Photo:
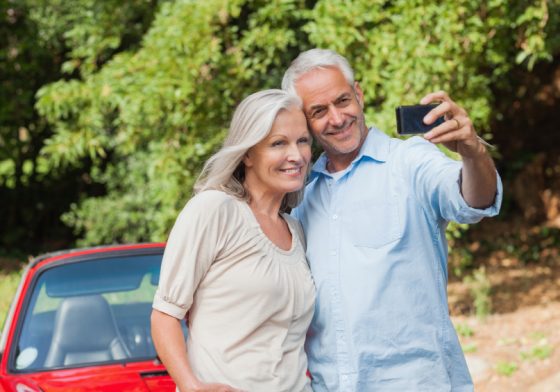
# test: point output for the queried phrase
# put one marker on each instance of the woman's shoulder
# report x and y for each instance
(210, 202)
(211, 196)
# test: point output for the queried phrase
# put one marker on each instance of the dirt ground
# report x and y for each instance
(517, 347)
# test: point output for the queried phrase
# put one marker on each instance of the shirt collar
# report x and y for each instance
(376, 147)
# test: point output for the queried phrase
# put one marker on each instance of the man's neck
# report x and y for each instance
(339, 163)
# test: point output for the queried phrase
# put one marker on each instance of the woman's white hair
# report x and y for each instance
(251, 123)
(315, 58)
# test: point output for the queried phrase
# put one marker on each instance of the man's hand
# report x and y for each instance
(457, 133)
(479, 178)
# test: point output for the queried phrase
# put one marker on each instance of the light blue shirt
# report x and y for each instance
(378, 253)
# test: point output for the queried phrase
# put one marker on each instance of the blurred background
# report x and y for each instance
(108, 109)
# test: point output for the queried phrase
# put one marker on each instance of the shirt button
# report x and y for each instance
(335, 217)
(332, 252)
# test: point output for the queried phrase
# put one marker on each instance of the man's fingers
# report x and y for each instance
(437, 112)
(435, 96)
(442, 129)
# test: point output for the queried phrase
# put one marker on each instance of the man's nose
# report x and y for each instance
(335, 117)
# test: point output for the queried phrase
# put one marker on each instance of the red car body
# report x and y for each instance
(44, 347)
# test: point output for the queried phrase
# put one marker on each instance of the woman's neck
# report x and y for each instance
(264, 203)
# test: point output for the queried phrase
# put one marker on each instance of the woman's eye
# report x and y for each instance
(304, 140)
(277, 143)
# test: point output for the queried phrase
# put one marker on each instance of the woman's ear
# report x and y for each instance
(247, 159)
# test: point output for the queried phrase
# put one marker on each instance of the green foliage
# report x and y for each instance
(469, 348)
(506, 368)
(150, 86)
(460, 258)
(10, 281)
(480, 288)
(149, 118)
(464, 330)
(540, 350)
(25, 181)
(402, 49)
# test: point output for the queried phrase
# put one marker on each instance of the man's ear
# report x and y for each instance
(359, 94)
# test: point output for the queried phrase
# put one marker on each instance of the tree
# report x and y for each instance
(148, 115)
(33, 53)
(24, 66)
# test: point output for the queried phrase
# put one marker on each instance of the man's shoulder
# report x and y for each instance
(412, 149)
(411, 143)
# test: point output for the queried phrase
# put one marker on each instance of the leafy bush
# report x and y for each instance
(148, 108)
(480, 288)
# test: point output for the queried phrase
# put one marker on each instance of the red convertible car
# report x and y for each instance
(80, 321)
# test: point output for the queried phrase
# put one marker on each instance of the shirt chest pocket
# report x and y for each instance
(373, 224)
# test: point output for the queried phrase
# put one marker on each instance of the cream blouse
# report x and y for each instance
(250, 302)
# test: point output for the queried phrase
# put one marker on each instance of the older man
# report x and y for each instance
(374, 214)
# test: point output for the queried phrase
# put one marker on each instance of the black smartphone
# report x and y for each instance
(410, 119)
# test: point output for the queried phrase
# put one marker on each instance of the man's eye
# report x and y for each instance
(343, 102)
(318, 113)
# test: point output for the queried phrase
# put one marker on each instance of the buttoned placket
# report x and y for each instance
(336, 200)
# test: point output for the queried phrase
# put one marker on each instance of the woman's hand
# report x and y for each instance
(214, 387)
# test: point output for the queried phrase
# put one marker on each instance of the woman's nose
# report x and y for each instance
(294, 153)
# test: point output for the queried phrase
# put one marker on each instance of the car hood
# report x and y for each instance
(138, 377)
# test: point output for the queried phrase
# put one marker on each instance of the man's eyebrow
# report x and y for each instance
(316, 106)
(321, 106)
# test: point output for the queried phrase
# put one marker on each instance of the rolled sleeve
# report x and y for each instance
(468, 214)
(437, 184)
(163, 304)
(194, 242)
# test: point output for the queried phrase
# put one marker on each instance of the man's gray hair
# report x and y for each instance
(315, 58)
(251, 123)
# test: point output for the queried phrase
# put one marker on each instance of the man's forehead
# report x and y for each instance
(322, 86)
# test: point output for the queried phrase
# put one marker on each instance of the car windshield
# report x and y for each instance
(90, 312)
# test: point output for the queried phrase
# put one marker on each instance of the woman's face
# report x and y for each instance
(278, 164)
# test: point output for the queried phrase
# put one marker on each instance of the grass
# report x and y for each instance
(11, 268)
(8, 285)
(464, 330)
(540, 350)
(480, 287)
(469, 348)
(506, 368)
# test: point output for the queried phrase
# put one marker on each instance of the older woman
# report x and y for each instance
(235, 261)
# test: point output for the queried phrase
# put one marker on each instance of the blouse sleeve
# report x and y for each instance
(195, 241)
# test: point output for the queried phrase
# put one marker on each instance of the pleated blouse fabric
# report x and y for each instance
(249, 301)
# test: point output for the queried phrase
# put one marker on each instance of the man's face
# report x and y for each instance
(334, 112)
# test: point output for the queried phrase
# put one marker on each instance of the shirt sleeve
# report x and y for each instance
(436, 180)
(195, 241)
